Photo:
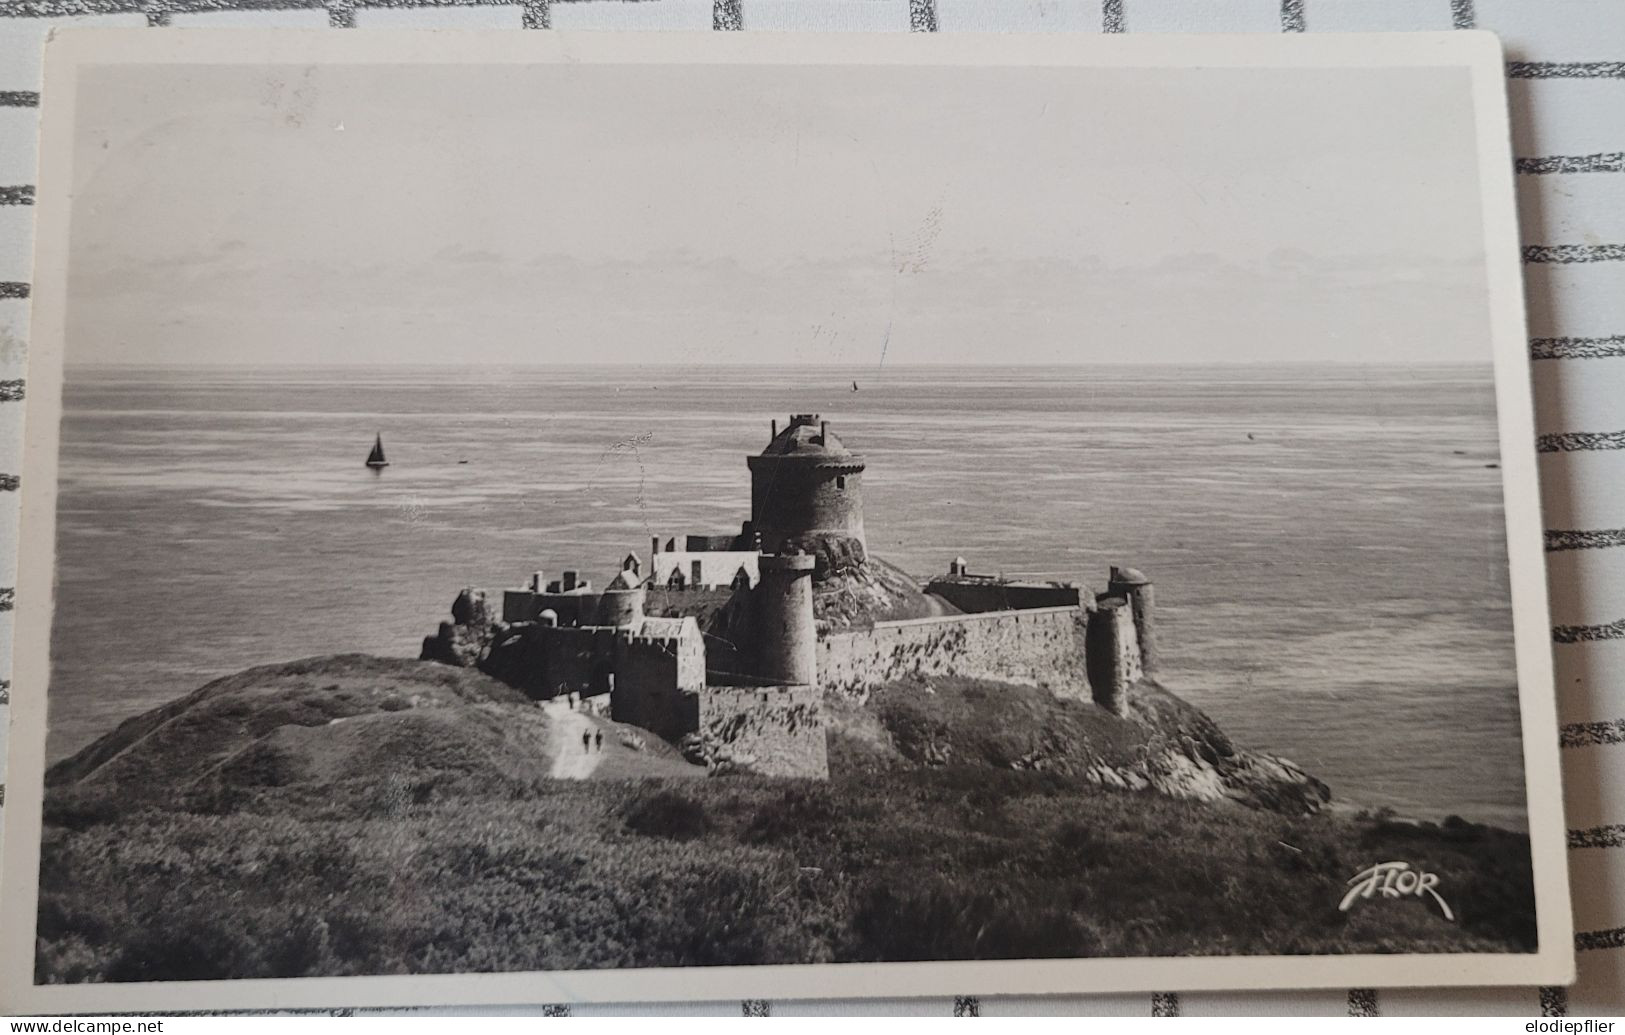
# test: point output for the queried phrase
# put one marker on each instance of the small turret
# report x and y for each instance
(1133, 586)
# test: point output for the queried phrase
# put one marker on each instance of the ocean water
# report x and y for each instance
(1326, 541)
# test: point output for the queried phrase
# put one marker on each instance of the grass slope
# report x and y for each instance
(420, 839)
(370, 729)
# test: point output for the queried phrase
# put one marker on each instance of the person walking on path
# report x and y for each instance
(563, 726)
(598, 740)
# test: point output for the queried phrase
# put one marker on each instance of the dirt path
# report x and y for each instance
(565, 729)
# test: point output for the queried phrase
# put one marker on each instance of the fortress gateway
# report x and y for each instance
(727, 644)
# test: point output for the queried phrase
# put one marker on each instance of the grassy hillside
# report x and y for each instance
(418, 833)
(348, 726)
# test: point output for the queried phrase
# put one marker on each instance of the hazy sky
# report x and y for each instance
(594, 213)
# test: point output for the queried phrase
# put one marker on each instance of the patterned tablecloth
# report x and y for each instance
(1566, 66)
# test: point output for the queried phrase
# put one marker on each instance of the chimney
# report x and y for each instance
(537, 581)
(823, 432)
(569, 581)
(775, 433)
(654, 544)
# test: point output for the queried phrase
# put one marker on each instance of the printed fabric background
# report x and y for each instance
(1566, 72)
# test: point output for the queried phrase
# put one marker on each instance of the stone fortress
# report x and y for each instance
(726, 645)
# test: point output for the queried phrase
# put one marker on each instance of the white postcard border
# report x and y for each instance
(1478, 53)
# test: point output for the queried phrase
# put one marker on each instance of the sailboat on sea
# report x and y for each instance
(375, 459)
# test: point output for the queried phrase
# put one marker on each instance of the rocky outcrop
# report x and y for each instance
(1195, 759)
(1161, 744)
(832, 554)
(465, 639)
(855, 596)
(1257, 781)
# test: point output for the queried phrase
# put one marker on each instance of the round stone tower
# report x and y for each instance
(1132, 585)
(619, 606)
(805, 485)
(786, 637)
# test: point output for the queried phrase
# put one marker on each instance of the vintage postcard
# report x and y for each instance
(531, 517)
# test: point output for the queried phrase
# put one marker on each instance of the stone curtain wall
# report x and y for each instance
(656, 679)
(769, 731)
(1042, 647)
(646, 691)
(545, 661)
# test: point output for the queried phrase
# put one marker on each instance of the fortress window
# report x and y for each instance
(697, 571)
(840, 481)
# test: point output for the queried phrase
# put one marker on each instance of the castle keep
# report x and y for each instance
(804, 487)
(727, 644)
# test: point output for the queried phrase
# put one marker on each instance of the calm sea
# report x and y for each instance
(1326, 541)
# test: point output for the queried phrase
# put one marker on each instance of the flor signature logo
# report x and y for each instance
(1394, 880)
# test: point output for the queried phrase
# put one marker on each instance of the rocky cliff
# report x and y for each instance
(1163, 744)
(860, 595)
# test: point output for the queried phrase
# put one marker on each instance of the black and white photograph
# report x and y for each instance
(599, 504)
